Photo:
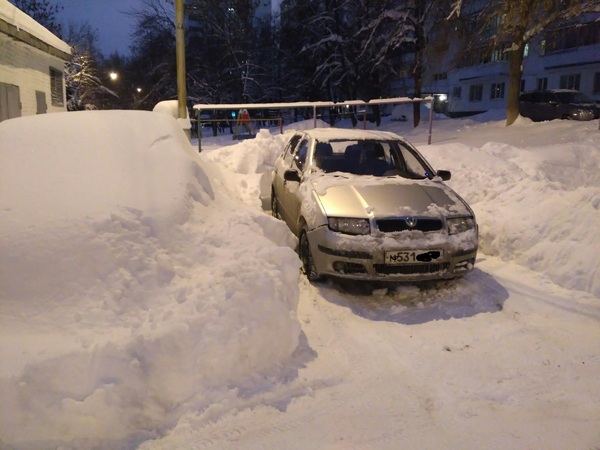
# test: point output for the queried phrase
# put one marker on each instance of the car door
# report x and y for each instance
(550, 106)
(290, 201)
(526, 105)
(541, 109)
(283, 163)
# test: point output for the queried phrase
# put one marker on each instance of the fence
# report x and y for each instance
(311, 106)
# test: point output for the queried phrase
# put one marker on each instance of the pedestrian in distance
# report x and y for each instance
(243, 122)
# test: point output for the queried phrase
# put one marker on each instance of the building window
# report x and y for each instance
(475, 93)
(440, 76)
(56, 87)
(597, 83)
(570, 81)
(484, 55)
(542, 83)
(500, 53)
(456, 92)
(497, 91)
(522, 86)
(573, 36)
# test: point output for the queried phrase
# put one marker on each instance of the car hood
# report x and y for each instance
(389, 199)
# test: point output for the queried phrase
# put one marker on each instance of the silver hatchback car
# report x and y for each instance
(367, 205)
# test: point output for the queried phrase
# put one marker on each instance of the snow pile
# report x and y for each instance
(247, 162)
(133, 285)
(307, 124)
(171, 108)
(538, 203)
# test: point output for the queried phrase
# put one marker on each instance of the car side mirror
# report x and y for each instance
(445, 175)
(291, 175)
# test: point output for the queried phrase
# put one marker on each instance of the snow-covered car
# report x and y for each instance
(367, 205)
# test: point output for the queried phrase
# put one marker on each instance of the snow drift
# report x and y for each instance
(132, 283)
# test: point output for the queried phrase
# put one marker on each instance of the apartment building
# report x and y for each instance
(563, 57)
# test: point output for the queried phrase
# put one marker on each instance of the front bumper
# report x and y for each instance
(363, 257)
(583, 114)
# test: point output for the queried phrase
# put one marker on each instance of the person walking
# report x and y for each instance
(244, 121)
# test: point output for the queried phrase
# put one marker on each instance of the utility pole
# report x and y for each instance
(180, 50)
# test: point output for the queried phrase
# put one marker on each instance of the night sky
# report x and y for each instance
(108, 17)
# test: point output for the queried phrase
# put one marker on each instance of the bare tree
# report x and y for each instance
(152, 61)
(226, 60)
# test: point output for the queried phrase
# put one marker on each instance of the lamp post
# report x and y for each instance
(180, 50)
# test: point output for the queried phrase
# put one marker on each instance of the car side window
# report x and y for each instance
(300, 156)
(290, 148)
(411, 165)
(548, 97)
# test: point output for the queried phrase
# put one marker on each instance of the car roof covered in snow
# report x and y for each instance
(335, 134)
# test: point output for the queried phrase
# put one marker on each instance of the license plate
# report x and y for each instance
(412, 256)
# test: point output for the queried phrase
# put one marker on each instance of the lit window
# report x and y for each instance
(497, 91)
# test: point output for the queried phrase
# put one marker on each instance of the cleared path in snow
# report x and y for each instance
(501, 359)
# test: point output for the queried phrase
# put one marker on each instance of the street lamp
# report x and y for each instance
(113, 75)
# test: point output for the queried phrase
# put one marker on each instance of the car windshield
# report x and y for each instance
(370, 157)
(573, 97)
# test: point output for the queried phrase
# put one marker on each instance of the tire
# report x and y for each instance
(308, 265)
(274, 209)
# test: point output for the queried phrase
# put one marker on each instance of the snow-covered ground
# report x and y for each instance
(148, 302)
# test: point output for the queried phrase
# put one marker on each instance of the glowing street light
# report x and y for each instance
(113, 75)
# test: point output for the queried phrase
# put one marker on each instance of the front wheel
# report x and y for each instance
(308, 264)
(274, 209)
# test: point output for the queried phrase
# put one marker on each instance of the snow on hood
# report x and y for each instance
(386, 197)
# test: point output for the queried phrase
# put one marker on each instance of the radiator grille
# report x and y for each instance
(395, 225)
(410, 269)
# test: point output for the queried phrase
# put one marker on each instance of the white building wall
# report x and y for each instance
(29, 68)
(583, 61)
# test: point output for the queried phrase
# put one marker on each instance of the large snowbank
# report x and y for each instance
(133, 285)
(536, 194)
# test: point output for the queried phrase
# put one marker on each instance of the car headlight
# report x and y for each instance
(349, 226)
(460, 224)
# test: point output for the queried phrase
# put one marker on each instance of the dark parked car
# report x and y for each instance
(558, 104)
